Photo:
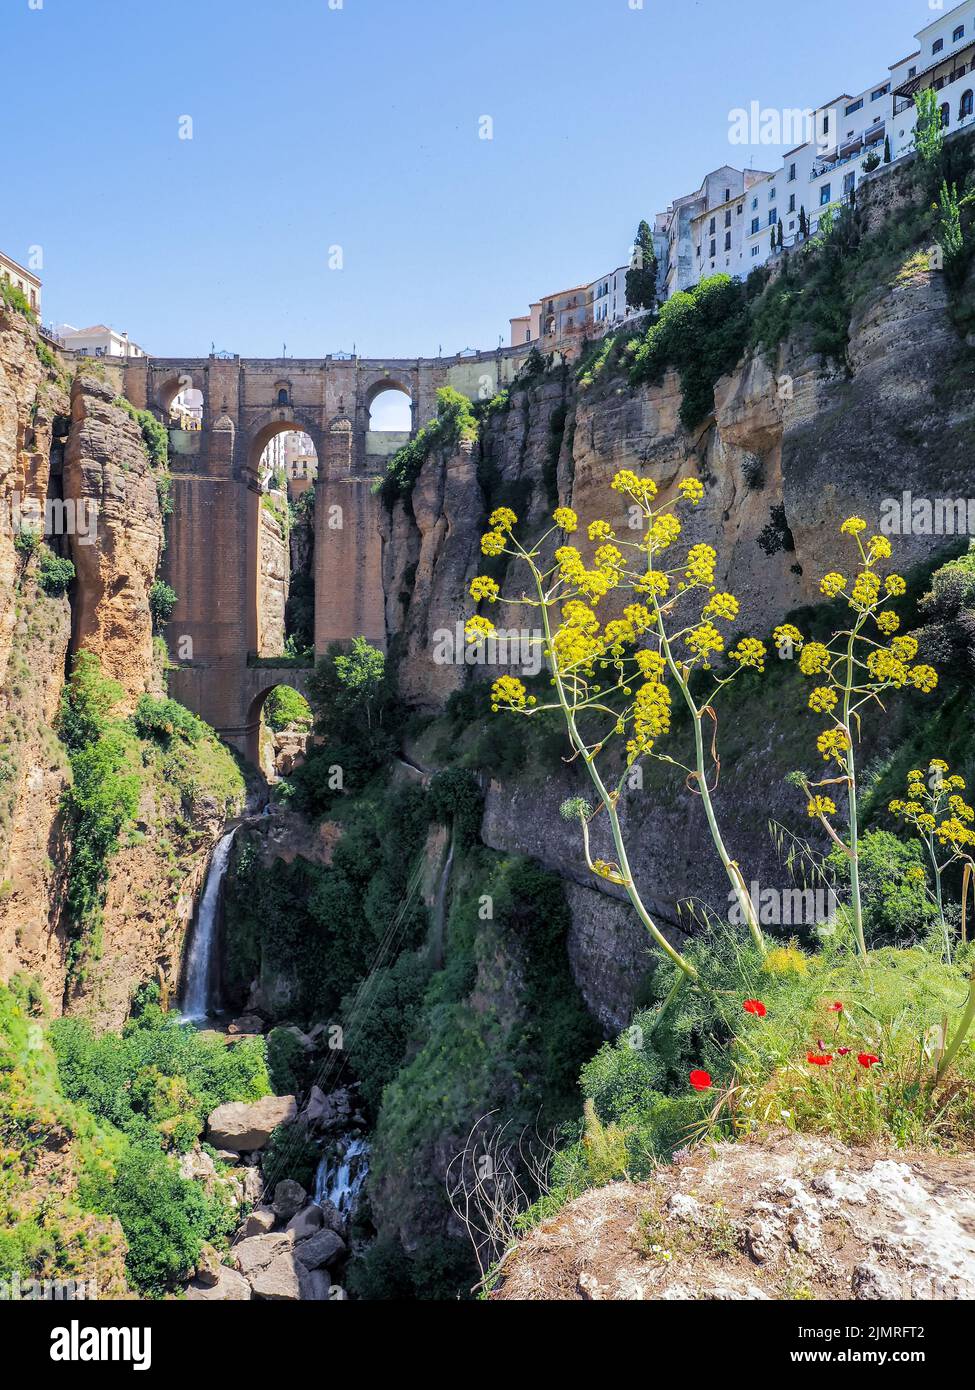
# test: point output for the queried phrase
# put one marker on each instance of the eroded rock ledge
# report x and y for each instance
(794, 1217)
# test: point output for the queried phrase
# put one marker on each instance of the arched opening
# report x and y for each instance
(170, 391)
(284, 477)
(391, 409)
(186, 410)
(967, 105)
(945, 115)
(390, 425)
(285, 728)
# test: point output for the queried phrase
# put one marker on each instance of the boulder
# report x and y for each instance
(289, 1198)
(332, 1218)
(227, 1156)
(260, 1221)
(319, 1250)
(306, 1223)
(278, 1281)
(245, 1128)
(198, 1165)
(230, 1287)
(208, 1267)
(329, 1111)
(257, 1252)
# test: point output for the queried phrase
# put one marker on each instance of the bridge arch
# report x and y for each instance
(263, 731)
(169, 387)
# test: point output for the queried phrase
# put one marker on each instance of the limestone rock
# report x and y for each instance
(306, 1222)
(289, 1198)
(208, 1267)
(260, 1222)
(320, 1250)
(230, 1287)
(247, 1127)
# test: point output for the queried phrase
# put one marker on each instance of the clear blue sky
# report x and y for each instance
(359, 127)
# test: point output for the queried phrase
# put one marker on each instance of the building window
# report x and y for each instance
(912, 72)
(825, 122)
(825, 195)
(945, 116)
(958, 34)
(754, 204)
(772, 218)
(727, 241)
(792, 173)
(727, 195)
(727, 218)
(714, 249)
(967, 104)
(854, 106)
(283, 396)
(740, 209)
(755, 225)
(712, 226)
(880, 92)
(754, 250)
(771, 196)
(937, 46)
(849, 182)
(792, 202)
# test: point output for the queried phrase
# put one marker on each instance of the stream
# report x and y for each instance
(340, 1181)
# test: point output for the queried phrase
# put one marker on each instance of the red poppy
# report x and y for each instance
(756, 1007)
(700, 1080)
(843, 1051)
(867, 1059)
(836, 1008)
(818, 1059)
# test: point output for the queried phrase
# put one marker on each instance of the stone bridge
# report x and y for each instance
(213, 553)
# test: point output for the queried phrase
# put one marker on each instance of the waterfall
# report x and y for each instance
(197, 990)
(340, 1181)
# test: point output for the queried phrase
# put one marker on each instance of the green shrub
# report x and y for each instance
(162, 601)
(456, 799)
(291, 1153)
(56, 573)
(165, 719)
(285, 708)
(455, 422)
(14, 298)
(897, 907)
(288, 1063)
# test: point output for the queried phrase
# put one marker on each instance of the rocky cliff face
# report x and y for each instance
(159, 869)
(106, 469)
(792, 446)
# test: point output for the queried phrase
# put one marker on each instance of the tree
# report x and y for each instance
(929, 134)
(781, 236)
(803, 223)
(163, 598)
(887, 149)
(641, 278)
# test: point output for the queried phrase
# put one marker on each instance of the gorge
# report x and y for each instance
(409, 945)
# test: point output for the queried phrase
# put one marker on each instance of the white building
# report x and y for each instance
(608, 306)
(98, 341)
(24, 280)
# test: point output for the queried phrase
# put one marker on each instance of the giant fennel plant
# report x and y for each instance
(613, 678)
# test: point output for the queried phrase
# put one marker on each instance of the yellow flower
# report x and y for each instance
(664, 530)
(880, 548)
(691, 490)
(788, 635)
(570, 564)
(609, 559)
(651, 664)
(822, 806)
(815, 659)
(853, 525)
(722, 606)
(502, 519)
(475, 628)
(601, 531)
(700, 564)
(822, 700)
(888, 622)
(703, 639)
(886, 668)
(832, 584)
(484, 588)
(833, 743)
(904, 648)
(566, 519)
(492, 543)
(923, 678)
(653, 582)
(643, 489)
(509, 691)
(750, 652)
(895, 585)
(866, 589)
(937, 763)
